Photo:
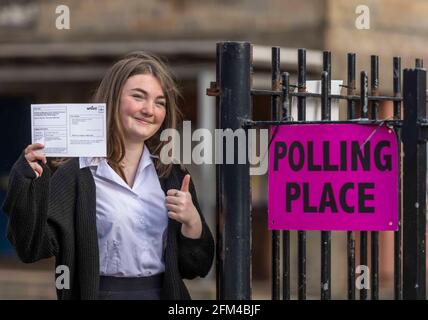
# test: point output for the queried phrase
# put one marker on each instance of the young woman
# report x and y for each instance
(127, 226)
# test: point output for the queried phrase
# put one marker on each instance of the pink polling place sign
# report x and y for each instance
(333, 177)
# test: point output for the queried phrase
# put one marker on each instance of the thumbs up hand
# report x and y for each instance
(181, 208)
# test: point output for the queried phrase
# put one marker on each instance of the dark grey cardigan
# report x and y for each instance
(54, 215)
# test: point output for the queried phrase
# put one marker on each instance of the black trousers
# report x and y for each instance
(142, 288)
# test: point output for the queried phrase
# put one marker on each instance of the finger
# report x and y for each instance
(173, 207)
(172, 192)
(173, 215)
(37, 169)
(42, 157)
(32, 165)
(34, 146)
(32, 156)
(173, 200)
(185, 183)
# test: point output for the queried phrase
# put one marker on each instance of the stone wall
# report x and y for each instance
(275, 22)
(397, 28)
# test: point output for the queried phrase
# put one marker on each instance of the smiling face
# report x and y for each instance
(142, 107)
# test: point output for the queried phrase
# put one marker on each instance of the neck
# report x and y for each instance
(133, 152)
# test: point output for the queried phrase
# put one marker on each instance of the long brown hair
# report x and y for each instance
(109, 92)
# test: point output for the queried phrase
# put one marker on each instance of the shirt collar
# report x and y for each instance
(145, 160)
(89, 161)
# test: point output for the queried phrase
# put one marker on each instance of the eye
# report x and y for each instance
(161, 103)
(138, 96)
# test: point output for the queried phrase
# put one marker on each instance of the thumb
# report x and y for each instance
(185, 183)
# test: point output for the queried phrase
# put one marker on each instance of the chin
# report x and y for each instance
(140, 137)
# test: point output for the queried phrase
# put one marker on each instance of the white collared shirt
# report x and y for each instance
(131, 222)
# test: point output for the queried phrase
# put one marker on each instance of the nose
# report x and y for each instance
(148, 108)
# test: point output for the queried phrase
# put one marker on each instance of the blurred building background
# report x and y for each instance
(42, 64)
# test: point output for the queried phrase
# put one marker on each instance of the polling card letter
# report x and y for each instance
(70, 130)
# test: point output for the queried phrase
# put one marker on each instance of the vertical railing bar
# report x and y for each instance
(350, 234)
(235, 188)
(398, 291)
(286, 233)
(276, 114)
(301, 109)
(301, 83)
(363, 259)
(327, 67)
(351, 84)
(324, 96)
(414, 185)
(363, 234)
(374, 265)
(374, 278)
(374, 84)
(364, 95)
(219, 231)
(286, 95)
(326, 235)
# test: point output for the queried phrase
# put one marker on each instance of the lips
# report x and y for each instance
(142, 121)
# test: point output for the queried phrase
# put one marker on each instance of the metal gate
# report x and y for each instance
(234, 100)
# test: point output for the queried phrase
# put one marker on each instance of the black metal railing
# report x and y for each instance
(233, 88)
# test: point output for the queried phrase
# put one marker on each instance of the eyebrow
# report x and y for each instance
(146, 93)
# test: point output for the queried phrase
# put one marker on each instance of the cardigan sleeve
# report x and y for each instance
(195, 256)
(27, 204)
